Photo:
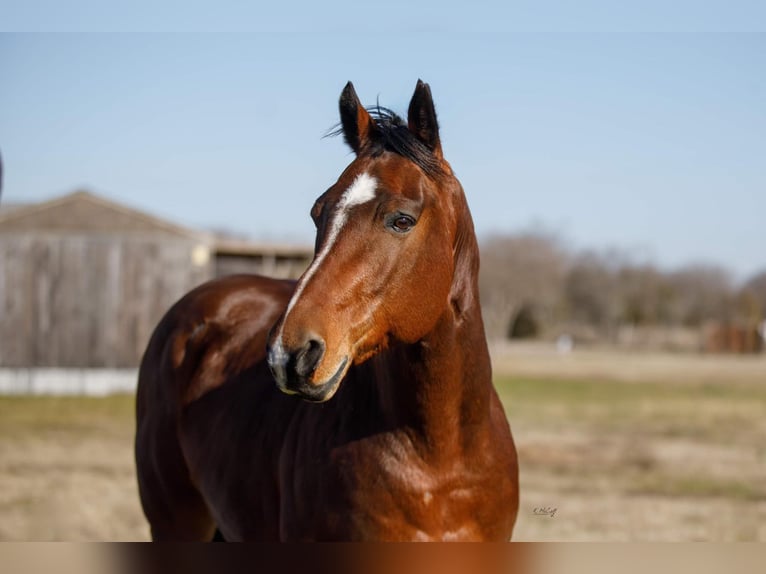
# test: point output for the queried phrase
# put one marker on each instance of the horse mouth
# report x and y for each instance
(325, 391)
(314, 392)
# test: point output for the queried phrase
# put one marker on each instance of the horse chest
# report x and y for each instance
(396, 495)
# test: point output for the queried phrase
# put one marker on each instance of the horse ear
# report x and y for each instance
(421, 118)
(358, 126)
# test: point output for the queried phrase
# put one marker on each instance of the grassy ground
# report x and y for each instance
(673, 458)
(639, 462)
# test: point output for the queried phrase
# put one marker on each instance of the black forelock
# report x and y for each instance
(392, 134)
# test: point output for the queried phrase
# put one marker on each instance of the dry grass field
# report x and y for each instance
(623, 447)
(673, 459)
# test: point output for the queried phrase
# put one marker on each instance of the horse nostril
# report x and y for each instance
(309, 356)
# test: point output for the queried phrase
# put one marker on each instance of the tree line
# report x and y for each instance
(532, 286)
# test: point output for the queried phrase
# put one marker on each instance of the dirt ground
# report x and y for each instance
(613, 446)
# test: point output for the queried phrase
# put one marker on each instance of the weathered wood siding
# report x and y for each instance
(89, 300)
(277, 266)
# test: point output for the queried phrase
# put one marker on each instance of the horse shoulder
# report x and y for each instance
(215, 332)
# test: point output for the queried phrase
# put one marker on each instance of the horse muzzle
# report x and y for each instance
(295, 370)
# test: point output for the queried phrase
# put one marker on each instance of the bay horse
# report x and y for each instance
(355, 404)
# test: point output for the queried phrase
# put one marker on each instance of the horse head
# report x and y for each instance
(387, 261)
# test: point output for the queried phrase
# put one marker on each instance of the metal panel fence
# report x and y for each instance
(87, 382)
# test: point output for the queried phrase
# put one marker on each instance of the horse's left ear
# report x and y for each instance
(421, 118)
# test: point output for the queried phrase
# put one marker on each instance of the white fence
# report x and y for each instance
(90, 382)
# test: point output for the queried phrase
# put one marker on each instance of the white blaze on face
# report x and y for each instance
(360, 191)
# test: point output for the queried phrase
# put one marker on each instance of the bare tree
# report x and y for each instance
(700, 293)
(591, 291)
(645, 295)
(751, 299)
(522, 272)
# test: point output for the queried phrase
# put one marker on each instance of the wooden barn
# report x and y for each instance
(84, 280)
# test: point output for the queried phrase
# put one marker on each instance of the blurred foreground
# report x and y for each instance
(612, 445)
(444, 558)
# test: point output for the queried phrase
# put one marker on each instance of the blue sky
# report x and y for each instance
(651, 142)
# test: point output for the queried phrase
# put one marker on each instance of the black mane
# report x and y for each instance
(392, 134)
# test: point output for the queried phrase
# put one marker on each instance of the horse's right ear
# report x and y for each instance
(358, 125)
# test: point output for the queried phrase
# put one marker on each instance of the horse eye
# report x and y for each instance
(402, 223)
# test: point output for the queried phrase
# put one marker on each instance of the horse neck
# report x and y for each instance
(440, 387)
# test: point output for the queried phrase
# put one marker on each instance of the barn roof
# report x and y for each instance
(83, 211)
